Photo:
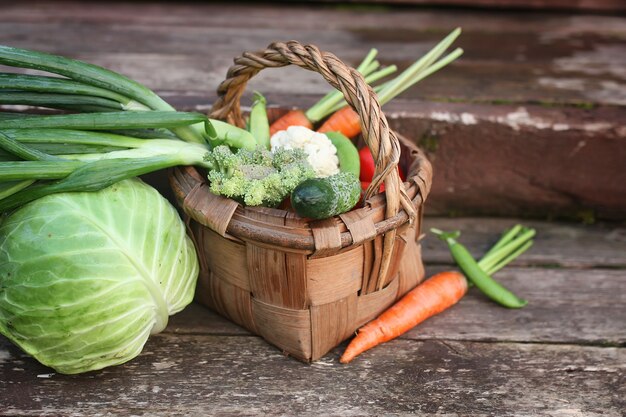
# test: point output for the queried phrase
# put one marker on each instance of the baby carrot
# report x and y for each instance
(294, 117)
(345, 120)
(349, 120)
(369, 68)
(436, 294)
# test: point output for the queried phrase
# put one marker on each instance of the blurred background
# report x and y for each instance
(529, 122)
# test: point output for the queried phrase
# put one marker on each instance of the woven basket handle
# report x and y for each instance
(379, 138)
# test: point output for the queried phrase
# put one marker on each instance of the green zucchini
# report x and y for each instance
(320, 198)
(347, 153)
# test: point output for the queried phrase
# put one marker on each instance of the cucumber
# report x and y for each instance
(320, 198)
(347, 153)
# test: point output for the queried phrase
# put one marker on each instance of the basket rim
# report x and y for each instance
(298, 235)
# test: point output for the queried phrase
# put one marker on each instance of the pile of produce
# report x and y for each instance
(92, 260)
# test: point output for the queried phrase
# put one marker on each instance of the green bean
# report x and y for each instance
(347, 153)
(494, 257)
(232, 136)
(259, 124)
(475, 274)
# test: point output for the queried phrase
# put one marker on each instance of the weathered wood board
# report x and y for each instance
(530, 121)
(237, 375)
(562, 355)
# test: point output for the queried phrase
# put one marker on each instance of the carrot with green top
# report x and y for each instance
(344, 119)
(369, 68)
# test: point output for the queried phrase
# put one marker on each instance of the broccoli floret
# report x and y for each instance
(257, 178)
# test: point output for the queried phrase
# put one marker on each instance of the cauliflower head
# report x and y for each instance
(320, 151)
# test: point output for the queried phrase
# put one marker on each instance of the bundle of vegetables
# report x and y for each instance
(340, 169)
(344, 119)
(445, 289)
(92, 261)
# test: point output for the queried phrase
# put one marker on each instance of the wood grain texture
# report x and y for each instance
(526, 122)
(530, 121)
(574, 277)
(557, 244)
(562, 355)
(231, 375)
(508, 56)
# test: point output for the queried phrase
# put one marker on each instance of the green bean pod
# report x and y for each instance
(490, 287)
(233, 136)
(347, 153)
(259, 124)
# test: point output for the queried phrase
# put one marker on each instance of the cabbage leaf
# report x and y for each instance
(86, 277)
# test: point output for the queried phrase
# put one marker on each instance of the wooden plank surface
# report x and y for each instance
(234, 375)
(516, 57)
(562, 355)
(530, 121)
(557, 244)
(564, 258)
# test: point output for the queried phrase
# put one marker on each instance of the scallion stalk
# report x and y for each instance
(44, 84)
(95, 76)
(16, 148)
(11, 187)
(59, 101)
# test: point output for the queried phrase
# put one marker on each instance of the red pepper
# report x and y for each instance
(368, 166)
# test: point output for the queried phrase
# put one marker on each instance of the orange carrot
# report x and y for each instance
(291, 118)
(345, 121)
(436, 294)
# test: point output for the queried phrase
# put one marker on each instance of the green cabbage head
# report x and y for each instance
(86, 277)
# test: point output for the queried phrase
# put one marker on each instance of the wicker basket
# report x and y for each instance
(305, 286)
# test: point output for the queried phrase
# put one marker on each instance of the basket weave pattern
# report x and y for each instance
(306, 286)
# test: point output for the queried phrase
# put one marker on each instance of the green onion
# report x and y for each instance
(106, 121)
(95, 76)
(60, 101)
(419, 70)
(25, 170)
(11, 187)
(91, 176)
(43, 84)
(495, 257)
(71, 137)
(24, 152)
(412, 74)
(321, 108)
(44, 154)
(85, 73)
